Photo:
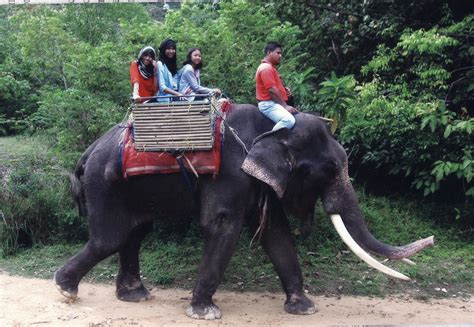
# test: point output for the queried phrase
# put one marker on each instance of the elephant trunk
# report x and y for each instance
(340, 202)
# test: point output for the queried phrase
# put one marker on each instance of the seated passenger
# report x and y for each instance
(167, 70)
(189, 82)
(270, 92)
(143, 75)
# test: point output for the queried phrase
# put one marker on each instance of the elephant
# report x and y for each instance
(283, 173)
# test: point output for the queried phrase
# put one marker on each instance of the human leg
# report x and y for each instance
(276, 113)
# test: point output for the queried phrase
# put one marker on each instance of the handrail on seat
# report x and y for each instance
(173, 126)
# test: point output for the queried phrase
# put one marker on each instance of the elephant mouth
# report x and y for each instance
(401, 253)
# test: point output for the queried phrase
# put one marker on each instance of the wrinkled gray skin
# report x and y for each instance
(294, 167)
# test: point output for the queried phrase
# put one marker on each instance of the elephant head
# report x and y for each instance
(307, 163)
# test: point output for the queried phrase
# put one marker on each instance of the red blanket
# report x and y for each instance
(203, 162)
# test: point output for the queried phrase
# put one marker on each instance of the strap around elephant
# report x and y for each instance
(185, 174)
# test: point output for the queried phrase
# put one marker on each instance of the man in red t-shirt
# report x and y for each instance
(270, 92)
(143, 74)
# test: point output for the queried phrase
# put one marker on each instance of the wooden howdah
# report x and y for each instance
(170, 126)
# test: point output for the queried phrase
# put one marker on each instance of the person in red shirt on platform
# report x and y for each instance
(270, 92)
(143, 73)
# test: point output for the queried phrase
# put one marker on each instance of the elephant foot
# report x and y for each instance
(300, 305)
(66, 290)
(207, 312)
(132, 291)
(139, 294)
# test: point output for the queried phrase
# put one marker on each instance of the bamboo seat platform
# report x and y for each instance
(170, 126)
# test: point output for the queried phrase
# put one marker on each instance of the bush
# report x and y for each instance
(36, 205)
(74, 119)
(397, 135)
(335, 97)
(413, 120)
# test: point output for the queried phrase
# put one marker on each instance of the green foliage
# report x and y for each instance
(406, 128)
(335, 97)
(232, 40)
(112, 83)
(342, 36)
(421, 59)
(302, 88)
(420, 142)
(74, 119)
(381, 131)
(59, 48)
(15, 89)
(411, 63)
(422, 42)
(36, 207)
(101, 24)
(44, 46)
(458, 162)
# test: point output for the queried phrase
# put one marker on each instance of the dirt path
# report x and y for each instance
(36, 302)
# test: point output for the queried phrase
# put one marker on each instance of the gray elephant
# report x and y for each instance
(284, 173)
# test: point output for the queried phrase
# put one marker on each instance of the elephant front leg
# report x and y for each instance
(222, 235)
(277, 242)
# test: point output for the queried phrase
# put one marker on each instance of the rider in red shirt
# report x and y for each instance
(270, 92)
(143, 74)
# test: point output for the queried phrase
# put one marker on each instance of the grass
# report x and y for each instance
(15, 149)
(171, 254)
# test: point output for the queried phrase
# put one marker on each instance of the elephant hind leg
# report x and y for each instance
(129, 286)
(67, 291)
(67, 278)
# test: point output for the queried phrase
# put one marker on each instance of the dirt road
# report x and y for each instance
(36, 302)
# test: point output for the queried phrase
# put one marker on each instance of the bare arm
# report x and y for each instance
(135, 95)
(276, 97)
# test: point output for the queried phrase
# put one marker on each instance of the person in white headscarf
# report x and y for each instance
(143, 73)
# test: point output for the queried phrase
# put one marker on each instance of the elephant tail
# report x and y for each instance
(76, 178)
(76, 188)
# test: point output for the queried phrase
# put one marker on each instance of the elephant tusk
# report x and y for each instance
(358, 251)
(408, 262)
(404, 260)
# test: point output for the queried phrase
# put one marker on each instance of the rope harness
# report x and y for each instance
(231, 129)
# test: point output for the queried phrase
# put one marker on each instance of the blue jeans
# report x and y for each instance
(276, 113)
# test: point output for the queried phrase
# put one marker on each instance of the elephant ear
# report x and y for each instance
(270, 161)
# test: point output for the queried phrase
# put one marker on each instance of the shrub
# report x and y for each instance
(413, 120)
(335, 96)
(36, 207)
(412, 140)
(73, 119)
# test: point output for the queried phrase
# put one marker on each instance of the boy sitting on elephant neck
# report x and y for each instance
(271, 95)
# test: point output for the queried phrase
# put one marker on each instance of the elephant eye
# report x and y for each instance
(295, 147)
(304, 169)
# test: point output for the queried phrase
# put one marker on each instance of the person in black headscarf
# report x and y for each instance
(143, 74)
(167, 70)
